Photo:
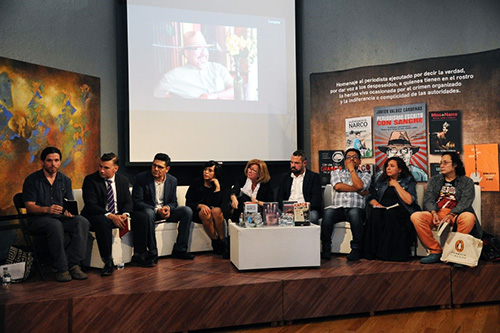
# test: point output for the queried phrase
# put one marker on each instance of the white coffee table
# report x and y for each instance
(274, 247)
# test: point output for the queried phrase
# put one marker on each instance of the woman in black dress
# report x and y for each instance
(389, 233)
(204, 196)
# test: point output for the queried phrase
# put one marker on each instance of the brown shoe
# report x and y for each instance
(77, 273)
(63, 277)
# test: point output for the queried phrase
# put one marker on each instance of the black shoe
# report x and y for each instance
(141, 260)
(355, 255)
(326, 255)
(217, 246)
(108, 268)
(182, 255)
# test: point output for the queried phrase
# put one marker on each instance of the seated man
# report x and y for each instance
(448, 198)
(108, 205)
(301, 185)
(44, 192)
(348, 204)
(199, 78)
(155, 193)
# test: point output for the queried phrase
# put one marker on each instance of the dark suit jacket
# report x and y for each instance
(143, 193)
(264, 194)
(311, 189)
(95, 195)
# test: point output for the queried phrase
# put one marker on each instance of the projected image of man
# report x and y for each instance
(199, 78)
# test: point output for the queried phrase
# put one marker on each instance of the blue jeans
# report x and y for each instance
(355, 216)
(181, 214)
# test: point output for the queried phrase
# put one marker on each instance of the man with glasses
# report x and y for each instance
(199, 78)
(155, 193)
(348, 204)
(399, 145)
(448, 198)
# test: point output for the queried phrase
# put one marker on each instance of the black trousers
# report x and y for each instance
(103, 228)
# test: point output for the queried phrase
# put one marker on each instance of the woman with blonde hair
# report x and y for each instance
(253, 186)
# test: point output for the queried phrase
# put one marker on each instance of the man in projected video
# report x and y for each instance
(199, 78)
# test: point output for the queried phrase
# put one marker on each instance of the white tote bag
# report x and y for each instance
(462, 249)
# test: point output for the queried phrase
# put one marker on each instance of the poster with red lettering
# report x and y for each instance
(329, 160)
(445, 132)
(400, 131)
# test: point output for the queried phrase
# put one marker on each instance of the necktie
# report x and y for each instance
(111, 197)
(111, 206)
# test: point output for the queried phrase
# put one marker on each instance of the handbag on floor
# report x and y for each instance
(18, 255)
(491, 247)
(462, 249)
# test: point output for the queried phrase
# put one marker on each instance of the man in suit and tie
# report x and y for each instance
(155, 193)
(108, 205)
(301, 185)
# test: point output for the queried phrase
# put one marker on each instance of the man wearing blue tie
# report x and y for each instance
(108, 205)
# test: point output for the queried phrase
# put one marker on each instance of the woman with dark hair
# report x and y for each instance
(389, 233)
(204, 197)
(253, 186)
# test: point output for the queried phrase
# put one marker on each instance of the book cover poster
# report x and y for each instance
(481, 164)
(358, 133)
(329, 160)
(445, 131)
(368, 167)
(270, 213)
(435, 169)
(401, 131)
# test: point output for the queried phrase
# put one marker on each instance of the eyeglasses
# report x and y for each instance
(157, 166)
(396, 151)
(253, 170)
(444, 162)
(352, 157)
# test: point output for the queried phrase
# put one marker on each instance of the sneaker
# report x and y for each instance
(355, 255)
(63, 277)
(77, 273)
(458, 265)
(431, 258)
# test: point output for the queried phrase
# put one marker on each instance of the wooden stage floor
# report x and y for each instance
(210, 292)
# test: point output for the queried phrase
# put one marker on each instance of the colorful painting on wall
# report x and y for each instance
(39, 107)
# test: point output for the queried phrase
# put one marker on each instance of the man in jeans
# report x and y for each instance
(348, 204)
(155, 193)
(44, 192)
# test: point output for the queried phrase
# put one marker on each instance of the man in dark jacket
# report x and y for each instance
(301, 185)
(108, 205)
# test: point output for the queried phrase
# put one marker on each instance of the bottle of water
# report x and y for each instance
(289, 220)
(241, 221)
(121, 264)
(6, 278)
(258, 220)
(282, 220)
(249, 221)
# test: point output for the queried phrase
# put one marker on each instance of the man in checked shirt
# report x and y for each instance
(348, 204)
